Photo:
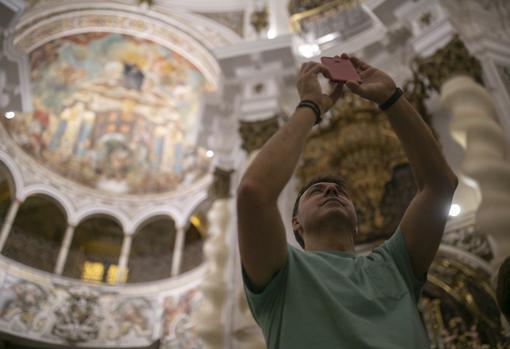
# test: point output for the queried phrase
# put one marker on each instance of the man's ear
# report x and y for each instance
(296, 226)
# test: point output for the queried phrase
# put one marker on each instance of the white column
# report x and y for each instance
(474, 126)
(6, 228)
(124, 256)
(178, 248)
(245, 330)
(64, 250)
(209, 319)
(278, 18)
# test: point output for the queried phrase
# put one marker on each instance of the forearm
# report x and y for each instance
(273, 166)
(428, 164)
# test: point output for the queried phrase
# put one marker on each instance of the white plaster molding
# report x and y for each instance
(194, 51)
(14, 173)
(253, 47)
(103, 210)
(150, 213)
(427, 37)
(60, 198)
(210, 316)
(475, 128)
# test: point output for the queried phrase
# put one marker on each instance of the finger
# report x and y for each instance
(354, 86)
(319, 68)
(309, 66)
(359, 63)
(345, 55)
(337, 92)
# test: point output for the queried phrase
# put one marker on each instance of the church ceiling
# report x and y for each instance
(114, 112)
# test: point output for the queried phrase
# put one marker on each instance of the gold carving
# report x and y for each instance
(220, 187)
(308, 10)
(360, 146)
(459, 307)
(259, 19)
(255, 134)
(449, 61)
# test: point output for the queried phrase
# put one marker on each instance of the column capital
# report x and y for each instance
(255, 134)
(221, 185)
(449, 61)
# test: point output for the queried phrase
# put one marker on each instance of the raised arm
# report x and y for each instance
(424, 220)
(262, 238)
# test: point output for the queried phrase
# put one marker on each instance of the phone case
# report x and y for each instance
(340, 69)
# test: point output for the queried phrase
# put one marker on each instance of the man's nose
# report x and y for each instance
(331, 190)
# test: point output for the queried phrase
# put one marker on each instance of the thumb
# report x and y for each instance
(354, 86)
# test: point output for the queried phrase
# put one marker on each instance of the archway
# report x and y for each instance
(95, 250)
(37, 233)
(152, 251)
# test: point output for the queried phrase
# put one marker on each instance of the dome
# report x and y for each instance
(114, 112)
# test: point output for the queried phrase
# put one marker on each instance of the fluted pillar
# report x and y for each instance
(178, 248)
(475, 128)
(64, 249)
(209, 318)
(6, 227)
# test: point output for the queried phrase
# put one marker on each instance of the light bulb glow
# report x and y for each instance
(309, 50)
(10, 114)
(455, 210)
(209, 153)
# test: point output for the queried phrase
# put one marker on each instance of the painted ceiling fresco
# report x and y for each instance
(115, 113)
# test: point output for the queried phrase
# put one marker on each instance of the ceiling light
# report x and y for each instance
(455, 210)
(327, 38)
(10, 114)
(271, 33)
(209, 153)
(309, 50)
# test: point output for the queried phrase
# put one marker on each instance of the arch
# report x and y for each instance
(37, 232)
(14, 172)
(55, 196)
(152, 250)
(153, 213)
(152, 218)
(195, 203)
(101, 210)
(95, 249)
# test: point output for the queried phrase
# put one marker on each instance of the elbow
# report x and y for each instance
(252, 193)
(452, 183)
(445, 185)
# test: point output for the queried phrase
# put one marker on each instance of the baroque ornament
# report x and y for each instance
(459, 308)
(78, 317)
(255, 134)
(447, 62)
(220, 187)
(359, 146)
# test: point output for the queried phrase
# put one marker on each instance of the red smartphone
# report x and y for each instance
(340, 69)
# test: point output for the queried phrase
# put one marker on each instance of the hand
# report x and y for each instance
(309, 88)
(375, 85)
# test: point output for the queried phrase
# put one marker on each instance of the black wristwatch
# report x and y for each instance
(391, 100)
(312, 105)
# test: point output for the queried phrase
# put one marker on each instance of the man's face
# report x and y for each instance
(326, 203)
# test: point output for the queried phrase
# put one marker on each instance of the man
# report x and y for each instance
(326, 297)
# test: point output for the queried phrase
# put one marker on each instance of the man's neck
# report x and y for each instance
(329, 240)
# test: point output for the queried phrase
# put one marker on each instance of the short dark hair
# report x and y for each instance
(503, 288)
(320, 179)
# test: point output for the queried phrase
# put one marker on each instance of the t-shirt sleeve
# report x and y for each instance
(396, 249)
(263, 303)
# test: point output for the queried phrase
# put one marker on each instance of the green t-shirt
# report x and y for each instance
(336, 300)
